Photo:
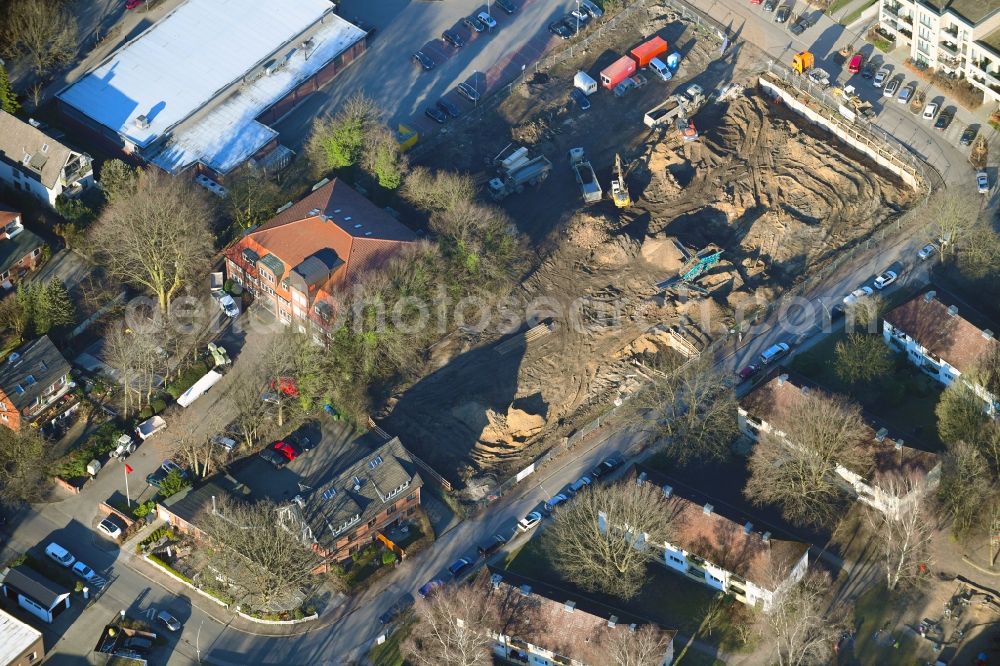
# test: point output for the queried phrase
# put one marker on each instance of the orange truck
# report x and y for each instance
(627, 65)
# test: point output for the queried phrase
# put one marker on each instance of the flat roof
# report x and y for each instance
(184, 65)
(15, 637)
(973, 11)
(992, 40)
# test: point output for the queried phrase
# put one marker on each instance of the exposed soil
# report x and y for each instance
(771, 191)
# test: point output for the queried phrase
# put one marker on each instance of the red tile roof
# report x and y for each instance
(952, 338)
(7, 214)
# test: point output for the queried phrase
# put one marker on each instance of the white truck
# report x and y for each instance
(226, 302)
(150, 427)
(585, 176)
(517, 170)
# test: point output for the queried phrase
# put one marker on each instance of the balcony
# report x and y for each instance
(891, 9)
(950, 48)
(908, 34)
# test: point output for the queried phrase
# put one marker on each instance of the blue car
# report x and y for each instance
(580, 98)
(459, 566)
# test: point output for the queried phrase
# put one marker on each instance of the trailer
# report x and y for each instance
(150, 427)
(199, 388)
(585, 176)
(664, 113)
(617, 72)
(584, 82)
(648, 50)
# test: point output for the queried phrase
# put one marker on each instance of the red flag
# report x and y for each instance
(128, 468)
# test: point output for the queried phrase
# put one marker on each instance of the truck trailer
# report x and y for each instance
(585, 176)
(627, 65)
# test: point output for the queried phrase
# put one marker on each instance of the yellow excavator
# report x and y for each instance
(619, 192)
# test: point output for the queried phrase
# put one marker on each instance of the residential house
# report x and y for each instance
(958, 38)
(20, 643)
(20, 249)
(35, 593)
(900, 475)
(338, 498)
(945, 341)
(31, 379)
(708, 544)
(295, 263)
(561, 628)
(32, 161)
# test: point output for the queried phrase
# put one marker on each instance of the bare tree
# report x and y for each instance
(157, 238)
(44, 31)
(453, 627)
(643, 647)
(953, 214)
(252, 197)
(903, 540)
(801, 632)
(690, 410)
(264, 560)
(24, 459)
(252, 413)
(862, 358)
(967, 486)
(798, 470)
(864, 312)
(604, 539)
(438, 190)
(960, 414)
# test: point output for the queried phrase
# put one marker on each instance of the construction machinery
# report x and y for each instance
(517, 170)
(585, 176)
(619, 192)
(694, 266)
(803, 61)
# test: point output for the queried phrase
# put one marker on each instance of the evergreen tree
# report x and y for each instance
(53, 309)
(8, 100)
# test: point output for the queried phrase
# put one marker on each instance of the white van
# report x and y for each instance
(661, 70)
(773, 353)
(60, 554)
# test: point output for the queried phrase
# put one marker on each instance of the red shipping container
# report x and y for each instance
(649, 50)
(617, 72)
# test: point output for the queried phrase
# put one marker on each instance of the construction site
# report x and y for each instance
(656, 218)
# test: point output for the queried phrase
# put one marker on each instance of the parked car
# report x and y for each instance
(83, 571)
(109, 527)
(944, 120)
(580, 484)
(449, 108)
(458, 566)
(968, 136)
(856, 63)
(891, 87)
(303, 443)
(861, 292)
(612, 463)
(473, 23)
(926, 252)
(881, 75)
(561, 29)
(228, 443)
(800, 26)
(906, 93)
(436, 114)
(396, 609)
(60, 554)
(555, 501)
(132, 4)
(273, 457)
(506, 5)
(168, 620)
(747, 372)
(495, 543)
(429, 588)
(982, 182)
(423, 60)
(140, 644)
(529, 522)
(453, 38)
(755, 2)
(468, 91)
(868, 71)
(780, 16)
(930, 111)
(885, 279)
(287, 449)
(580, 98)
(487, 20)
(156, 478)
(769, 5)
(591, 8)
(773, 353)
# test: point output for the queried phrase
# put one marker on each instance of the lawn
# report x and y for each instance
(389, 653)
(667, 599)
(876, 610)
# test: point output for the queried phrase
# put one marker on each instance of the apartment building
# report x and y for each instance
(713, 546)
(944, 340)
(296, 262)
(31, 161)
(958, 38)
(20, 643)
(561, 629)
(899, 476)
(31, 379)
(20, 249)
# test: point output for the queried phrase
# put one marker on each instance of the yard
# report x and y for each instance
(878, 611)
(905, 400)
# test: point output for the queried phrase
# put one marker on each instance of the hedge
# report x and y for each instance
(156, 560)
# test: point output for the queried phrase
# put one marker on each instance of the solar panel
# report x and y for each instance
(329, 493)
(376, 462)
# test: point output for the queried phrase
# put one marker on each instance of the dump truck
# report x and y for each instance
(529, 172)
(585, 176)
(665, 112)
(802, 62)
(627, 65)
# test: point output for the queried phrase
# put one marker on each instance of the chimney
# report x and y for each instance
(952, 310)
(613, 621)
(142, 122)
(804, 390)
(496, 579)
(987, 334)
(668, 491)
(569, 606)
(632, 628)
(929, 296)
(881, 435)
(766, 537)
(748, 528)
(899, 444)
(708, 509)
(782, 379)
(641, 479)
(314, 212)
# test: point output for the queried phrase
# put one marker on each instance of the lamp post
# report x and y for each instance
(197, 641)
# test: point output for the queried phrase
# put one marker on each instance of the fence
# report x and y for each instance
(441, 481)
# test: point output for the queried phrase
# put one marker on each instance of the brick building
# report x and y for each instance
(20, 249)
(295, 263)
(20, 643)
(31, 379)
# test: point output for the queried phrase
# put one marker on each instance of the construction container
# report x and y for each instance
(618, 71)
(584, 82)
(649, 50)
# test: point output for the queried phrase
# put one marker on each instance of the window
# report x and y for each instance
(37, 251)
(411, 497)
(925, 20)
(678, 560)
(371, 523)
(924, 33)
(33, 656)
(923, 47)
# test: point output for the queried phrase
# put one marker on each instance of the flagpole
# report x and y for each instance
(128, 498)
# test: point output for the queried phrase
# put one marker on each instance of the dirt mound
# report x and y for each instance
(617, 251)
(587, 231)
(662, 253)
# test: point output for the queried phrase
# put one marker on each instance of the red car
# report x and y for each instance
(132, 4)
(755, 2)
(290, 451)
(747, 372)
(857, 62)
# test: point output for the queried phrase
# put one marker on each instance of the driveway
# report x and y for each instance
(751, 24)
